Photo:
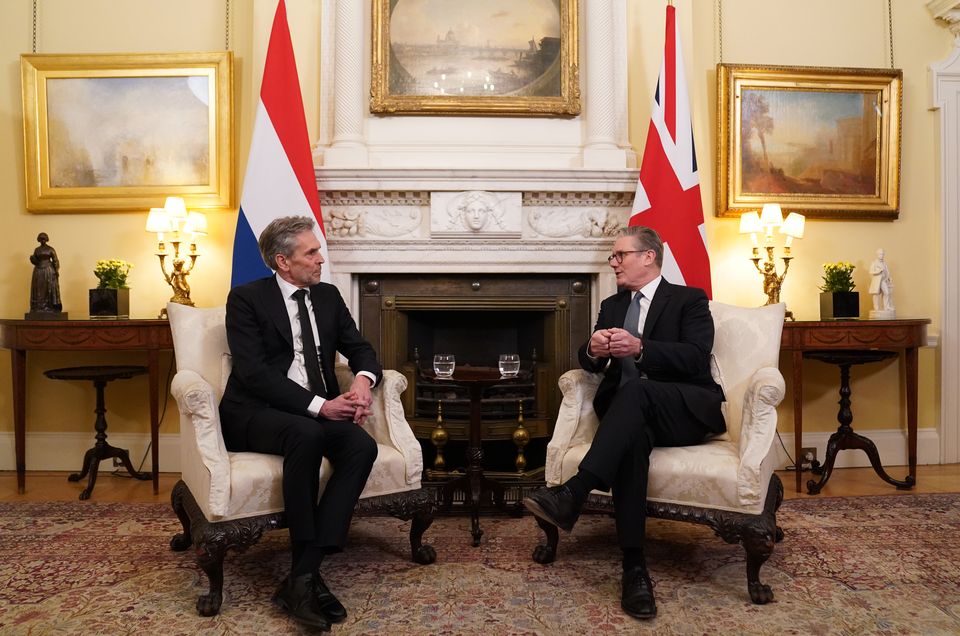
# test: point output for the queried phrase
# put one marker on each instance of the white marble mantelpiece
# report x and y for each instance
(379, 221)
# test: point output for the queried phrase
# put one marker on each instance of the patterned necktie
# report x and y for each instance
(311, 352)
(628, 367)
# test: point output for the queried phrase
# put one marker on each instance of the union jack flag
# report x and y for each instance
(668, 192)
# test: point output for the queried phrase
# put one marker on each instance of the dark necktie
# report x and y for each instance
(311, 358)
(628, 367)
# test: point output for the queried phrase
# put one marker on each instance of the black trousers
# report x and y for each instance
(304, 442)
(643, 414)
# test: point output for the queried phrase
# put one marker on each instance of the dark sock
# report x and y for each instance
(306, 558)
(633, 557)
(582, 483)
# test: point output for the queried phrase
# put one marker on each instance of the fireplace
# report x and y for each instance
(544, 318)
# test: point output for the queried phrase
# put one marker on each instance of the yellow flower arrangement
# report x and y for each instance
(112, 273)
(838, 277)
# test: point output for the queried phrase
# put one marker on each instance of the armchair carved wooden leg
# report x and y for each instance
(416, 506)
(212, 541)
(547, 552)
(759, 535)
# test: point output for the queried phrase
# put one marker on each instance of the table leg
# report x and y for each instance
(18, 358)
(798, 413)
(153, 382)
(910, 357)
(475, 463)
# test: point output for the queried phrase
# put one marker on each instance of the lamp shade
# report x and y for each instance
(771, 215)
(793, 225)
(196, 223)
(750, 223)
(158, 221)
(176, 208)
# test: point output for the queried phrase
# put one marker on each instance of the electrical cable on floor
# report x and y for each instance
(793, 464)
(166, 396)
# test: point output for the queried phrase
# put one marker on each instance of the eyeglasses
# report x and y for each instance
(618, 256)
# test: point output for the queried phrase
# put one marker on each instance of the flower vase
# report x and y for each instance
(839, 305)
(109, 302)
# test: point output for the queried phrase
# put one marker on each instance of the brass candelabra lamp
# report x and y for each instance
(792, 227)
(174, 220)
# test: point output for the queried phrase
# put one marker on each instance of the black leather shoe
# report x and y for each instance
(296, 596)
(637, 597)
(555, 505)
(327, 602)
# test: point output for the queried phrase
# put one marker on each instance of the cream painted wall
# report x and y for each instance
(815, 32)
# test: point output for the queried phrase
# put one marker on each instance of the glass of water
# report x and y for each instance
(443, 365)
(509, 365)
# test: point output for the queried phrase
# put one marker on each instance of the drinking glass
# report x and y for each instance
(443, 364)
(509, 365)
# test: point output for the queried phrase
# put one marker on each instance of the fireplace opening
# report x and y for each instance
(542, 317)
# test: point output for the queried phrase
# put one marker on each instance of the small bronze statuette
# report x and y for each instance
(45, 286)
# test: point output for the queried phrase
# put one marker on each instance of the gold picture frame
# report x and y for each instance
(824, 142)
(122, 132)
(475, 64)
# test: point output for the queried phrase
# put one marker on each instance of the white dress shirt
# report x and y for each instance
(298, 368)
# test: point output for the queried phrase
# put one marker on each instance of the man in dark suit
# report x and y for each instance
(282, 398)
(652, 341)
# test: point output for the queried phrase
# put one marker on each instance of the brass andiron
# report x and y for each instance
(521, 437)
(439, 438)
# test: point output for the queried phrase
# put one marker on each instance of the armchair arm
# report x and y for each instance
(388, 425)
(758, 429)
(576, 420)
(204, 462)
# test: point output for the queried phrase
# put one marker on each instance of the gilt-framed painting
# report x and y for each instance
(496, 57)
(123, 132)
(824, 142)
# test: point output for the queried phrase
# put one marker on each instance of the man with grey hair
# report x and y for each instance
(652, 341)
(282, 398)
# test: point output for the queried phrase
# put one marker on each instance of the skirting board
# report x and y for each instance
(64, 451)
(891, 444)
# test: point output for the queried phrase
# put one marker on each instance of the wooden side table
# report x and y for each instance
(21, 336)
(898, 335)
(475, 484)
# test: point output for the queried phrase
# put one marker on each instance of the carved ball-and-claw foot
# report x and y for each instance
(209, 604)
(760, 593)
(544, 554)
(180, 542)
(424, 555)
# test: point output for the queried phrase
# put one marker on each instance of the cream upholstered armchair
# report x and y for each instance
(727, 483)
(227, 500)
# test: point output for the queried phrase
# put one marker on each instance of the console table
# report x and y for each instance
(816, 335)
(21, 336)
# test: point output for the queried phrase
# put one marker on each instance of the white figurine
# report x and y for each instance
(881, 288)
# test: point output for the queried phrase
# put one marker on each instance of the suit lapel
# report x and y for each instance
(660, 300)
(276, 307)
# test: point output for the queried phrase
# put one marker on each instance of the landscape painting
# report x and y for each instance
(492, 56)
(106, 132)
(128, 131)
(823, 142)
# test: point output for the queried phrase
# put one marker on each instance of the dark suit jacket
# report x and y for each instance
(677, 340)
(261, 344)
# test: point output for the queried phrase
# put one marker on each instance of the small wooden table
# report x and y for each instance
(21, 336)
(475, 484)
(900, 335)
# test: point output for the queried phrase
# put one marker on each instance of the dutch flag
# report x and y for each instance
(279, 180)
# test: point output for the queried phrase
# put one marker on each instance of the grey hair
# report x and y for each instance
(280, 236)
(645, 238)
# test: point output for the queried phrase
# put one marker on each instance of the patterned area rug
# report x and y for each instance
(869, 565)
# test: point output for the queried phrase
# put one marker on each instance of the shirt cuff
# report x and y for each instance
(369, 376)
(315, 405)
